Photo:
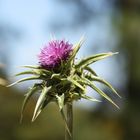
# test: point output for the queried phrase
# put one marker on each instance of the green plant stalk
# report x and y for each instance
(69, 119)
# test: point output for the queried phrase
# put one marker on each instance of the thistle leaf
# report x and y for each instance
(103, 94)
(42, 71)
(76, 48)
(98, 79)
(89, 60)
(35, 72)
(30, 66)
(90, 70)
(25, 72)
(40, 102)
(24, 79)
(27, 97)
(46, 102)
(55, 76)
(60, 101)
(89, 83)
(75, 83)
(90, 98)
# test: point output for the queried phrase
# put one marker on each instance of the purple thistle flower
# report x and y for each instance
(54, 53)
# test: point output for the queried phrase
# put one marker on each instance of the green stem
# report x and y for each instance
(69, 117)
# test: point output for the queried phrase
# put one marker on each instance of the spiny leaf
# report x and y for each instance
(90, 98)
(27, 97)
(38, 69)
(31, 66)
(76, 49)
(89, 83)
(55, 75)
(85, 97)
(76, 95)
(91, 59)
(40, 102)
(103, 94)
(46, 102)
(98, 79)
(90, 70)
(24, 79)
(35, 72)
(78, 45)
(60, 101)
(75, 83)
(42, 71)
(25, 72)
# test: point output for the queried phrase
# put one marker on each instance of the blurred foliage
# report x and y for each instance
(50, 125)
(130, 43)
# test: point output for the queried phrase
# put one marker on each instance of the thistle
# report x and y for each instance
(62, 80)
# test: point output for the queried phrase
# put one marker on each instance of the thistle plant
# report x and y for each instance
(62, 80)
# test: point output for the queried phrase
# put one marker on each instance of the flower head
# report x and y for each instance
(54, 53)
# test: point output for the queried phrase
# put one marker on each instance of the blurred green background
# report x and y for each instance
(108, 25)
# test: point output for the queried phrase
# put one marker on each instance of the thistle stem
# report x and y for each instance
(69, 119)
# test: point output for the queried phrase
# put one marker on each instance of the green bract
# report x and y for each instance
(65, 84)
